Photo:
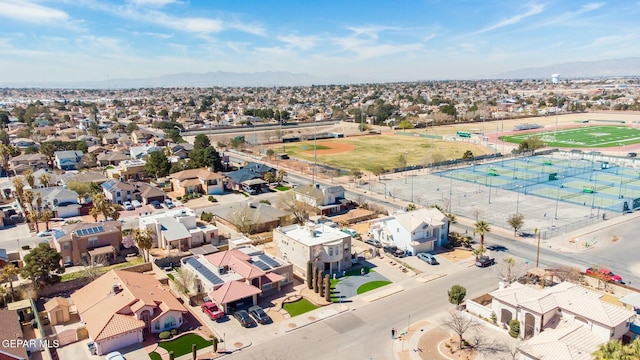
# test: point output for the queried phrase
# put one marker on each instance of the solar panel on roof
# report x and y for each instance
(269, 261)
(205, 272)
(261, 265)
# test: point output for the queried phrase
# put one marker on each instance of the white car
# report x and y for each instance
(45, 233)
(127, 206)
(114, 356)
(136, 204)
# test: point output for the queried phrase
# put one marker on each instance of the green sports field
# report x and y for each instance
(583, 137)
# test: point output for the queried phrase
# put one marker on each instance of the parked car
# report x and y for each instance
(632, 154)
(169, 204)
(136, 203)
(428, 258)
(156, 204)
(259, 314)
(114, 356)
(45, 233)
(351, 232)
(243, 317)
(605, 273)
(484, 261)
(393, 250)
(127, 206)
(373, 242)
(212, 310)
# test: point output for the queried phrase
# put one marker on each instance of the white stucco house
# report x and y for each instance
(178, 229)
(121, 306)
(414, 231)
(566, 321)
(328, 248)
(60, 200)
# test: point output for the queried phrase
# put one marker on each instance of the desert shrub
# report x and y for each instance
(165, 335)
(514, 328)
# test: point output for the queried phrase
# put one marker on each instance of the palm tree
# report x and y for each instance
(268, 177)
(45, 216)
(33, 218)
(28, 176)
(4, 156)
(100, 203)
(482, 227)
(144, 241)
(9, 272)
(18, 185)
(280, 175)
(3, 293)
(94, 212)
(38, 201)
(610, 350)
(44, 180)
(28, 196)
(632, 351)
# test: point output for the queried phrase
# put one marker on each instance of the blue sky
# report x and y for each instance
(76, 40)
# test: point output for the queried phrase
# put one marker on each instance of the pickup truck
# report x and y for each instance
(212, 310)
(393, 250)
(484, 261)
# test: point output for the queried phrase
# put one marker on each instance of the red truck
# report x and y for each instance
(212, 310)
(604, 273)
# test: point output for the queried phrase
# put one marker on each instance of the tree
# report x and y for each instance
(144, 241)
(3, 293)
(18, 185)
(45, 216)
(184, 279)
(404, 125)
(516, 221)
(28, 177)
(412, 207)
(299, 210)
(530, 144)
(377, 170)
(481, 228)
(280, 174)
(157, 164)
(468, 155)
(457, 294)
(42, 265)
(9, 272)
(201, 141)
(207, 157)
(615, 350)
(514, 328)
(44, 180)
(269, 177)
(131, 127)
(356, 174)
(460, 325)
(244, 221)
(509, 269)
(27, 198)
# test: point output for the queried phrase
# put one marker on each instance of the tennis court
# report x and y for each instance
(595, 184)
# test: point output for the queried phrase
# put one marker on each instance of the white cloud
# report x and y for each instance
(155, 3)
(30, 12)
(371, 31)
(533, 9)
(300, 42)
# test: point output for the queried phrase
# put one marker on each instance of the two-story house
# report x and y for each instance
(128, 170)
(67, 159)
(328, 200)
(18, 164)
(117, 192)
(327, 248)
(178, 229)
(203, 181)
(87, 242)
(121, 306)
(141, 152)
(414, 231)
(61, 201)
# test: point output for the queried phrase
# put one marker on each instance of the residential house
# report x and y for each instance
(121, 306)
(414, 231)
(88, 242)
(61, 201)
(97, 149)
(327, 248)
(141, 136)
(117, 192)
(18, 164)
(4, 258)
(24, 143)
(128, 170)
(181, 150)
(251, 176)
(328, 200)
(111, 158)
(110, 139)
(88, 177)
(141, 152)
(11, 329)
(178, 229)
(260, 217)
(561, 320)
(239, 275)
(203, 181)
(67, 159)
(146, 193)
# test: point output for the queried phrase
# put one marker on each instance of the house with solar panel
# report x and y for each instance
(178, 229)
(238, 277)
(88, 242)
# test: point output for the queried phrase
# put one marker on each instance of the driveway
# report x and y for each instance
(348, 286)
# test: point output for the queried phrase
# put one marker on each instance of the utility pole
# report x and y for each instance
(538, 251)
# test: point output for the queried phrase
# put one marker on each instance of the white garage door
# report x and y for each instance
(118, 342)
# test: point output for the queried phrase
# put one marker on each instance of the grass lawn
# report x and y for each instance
(103, 269)
(155, 356)
(182, 345)
(299, 307)
(591, 136)
(282, 188)
(383, 150)
(372, 286)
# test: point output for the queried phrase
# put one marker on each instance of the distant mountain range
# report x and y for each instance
(578, 69)
(218, 78)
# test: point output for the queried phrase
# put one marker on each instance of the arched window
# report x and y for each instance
(169, 322)
(505, 316)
